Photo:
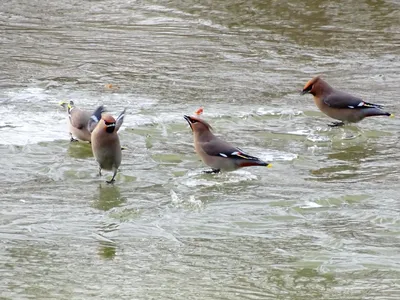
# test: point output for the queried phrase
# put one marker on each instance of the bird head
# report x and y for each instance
(197, 124)
(311, 86)
(109, 123)
(68, 105)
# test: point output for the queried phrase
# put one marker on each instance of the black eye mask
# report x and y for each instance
(110, 126)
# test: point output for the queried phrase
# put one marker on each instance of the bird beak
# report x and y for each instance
(303, 92)
(188, 119)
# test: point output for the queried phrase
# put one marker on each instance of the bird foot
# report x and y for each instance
(336, 124)
(212, 171)
(112, 179)
(73, 140)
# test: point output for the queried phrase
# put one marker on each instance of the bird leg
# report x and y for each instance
(336, 124)
(99, 171)
(212, 171)
(112, 179)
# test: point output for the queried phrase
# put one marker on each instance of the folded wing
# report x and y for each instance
(344, 100)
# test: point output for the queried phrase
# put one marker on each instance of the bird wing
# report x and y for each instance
(78, 118)
(218, 147)
(120, 119)
(95, 118)
(344, 100)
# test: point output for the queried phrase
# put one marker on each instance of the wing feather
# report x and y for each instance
(344, 100)
(218, 147)
(95, 118)
(120, 119)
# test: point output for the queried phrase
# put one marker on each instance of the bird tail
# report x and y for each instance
(250, 163)
(245, 160)
(375, 111)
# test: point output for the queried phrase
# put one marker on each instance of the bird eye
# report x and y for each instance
(194, 121)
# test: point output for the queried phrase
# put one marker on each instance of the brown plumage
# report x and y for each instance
(216, 153)
(340, 105)
(105, 141)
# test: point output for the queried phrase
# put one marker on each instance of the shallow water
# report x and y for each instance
(323, 223)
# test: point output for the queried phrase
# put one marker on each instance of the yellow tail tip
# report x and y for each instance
(62, 103)
(269, 166)
(391, 116)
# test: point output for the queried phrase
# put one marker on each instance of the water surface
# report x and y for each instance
(323, 223)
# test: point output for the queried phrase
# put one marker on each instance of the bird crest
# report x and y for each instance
(311, 82)
(108, 118)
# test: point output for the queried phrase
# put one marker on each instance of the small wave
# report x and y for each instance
(185, 202)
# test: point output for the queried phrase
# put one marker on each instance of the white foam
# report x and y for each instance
(310, 204)
(276, 155)
(33, 115)
(185, 202)
(318, 138)
(302, 132)
(277, 112)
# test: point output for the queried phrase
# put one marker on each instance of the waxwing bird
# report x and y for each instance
(216, 153)
(78, 121)
(105, 141)
(340, 105)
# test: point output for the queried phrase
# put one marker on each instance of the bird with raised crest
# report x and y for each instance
(216, 153)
